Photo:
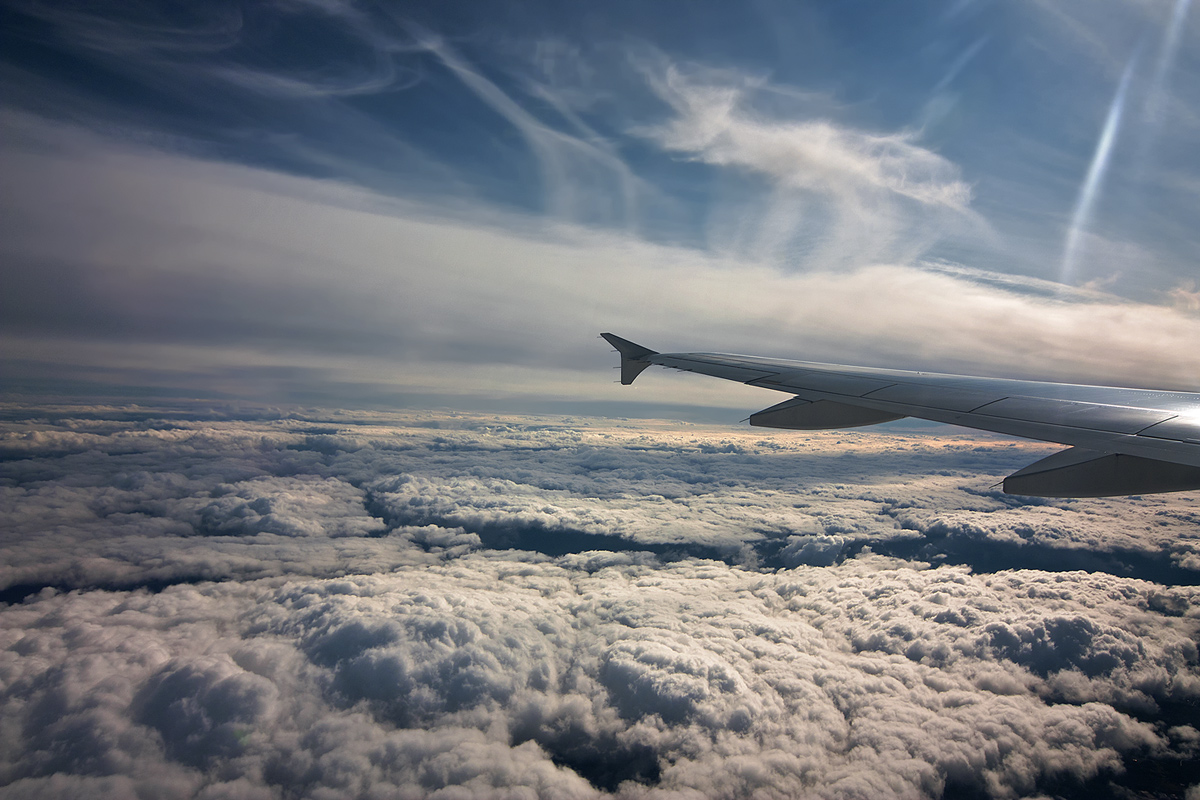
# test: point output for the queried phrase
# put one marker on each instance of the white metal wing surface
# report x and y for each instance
(1123, 441)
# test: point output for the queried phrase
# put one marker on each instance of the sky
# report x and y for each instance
(316, 480)
(405, 205)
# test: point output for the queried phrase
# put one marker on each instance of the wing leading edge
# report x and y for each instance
(1123, 441)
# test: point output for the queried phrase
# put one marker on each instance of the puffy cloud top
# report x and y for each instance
(416, 606)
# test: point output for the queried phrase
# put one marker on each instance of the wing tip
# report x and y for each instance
(628, 349)
(633, 357)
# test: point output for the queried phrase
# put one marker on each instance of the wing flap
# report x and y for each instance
(1093, 416)
(945, 398)
(1181, 428)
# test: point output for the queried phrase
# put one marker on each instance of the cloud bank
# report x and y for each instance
(265, 286)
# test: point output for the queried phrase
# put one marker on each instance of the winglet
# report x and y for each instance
(632, 357)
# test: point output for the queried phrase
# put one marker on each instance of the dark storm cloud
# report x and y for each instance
(328, 614)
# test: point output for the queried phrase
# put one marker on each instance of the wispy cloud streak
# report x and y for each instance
(566, 161)
(961, 62)
(839, 197)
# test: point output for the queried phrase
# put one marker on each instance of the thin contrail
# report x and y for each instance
(1166, 59)
(1095, 175)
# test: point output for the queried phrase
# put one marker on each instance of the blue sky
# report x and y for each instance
(413, 203)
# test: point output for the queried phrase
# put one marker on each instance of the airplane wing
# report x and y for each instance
(1123, 441)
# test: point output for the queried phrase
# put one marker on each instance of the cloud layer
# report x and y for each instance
(360, 605)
